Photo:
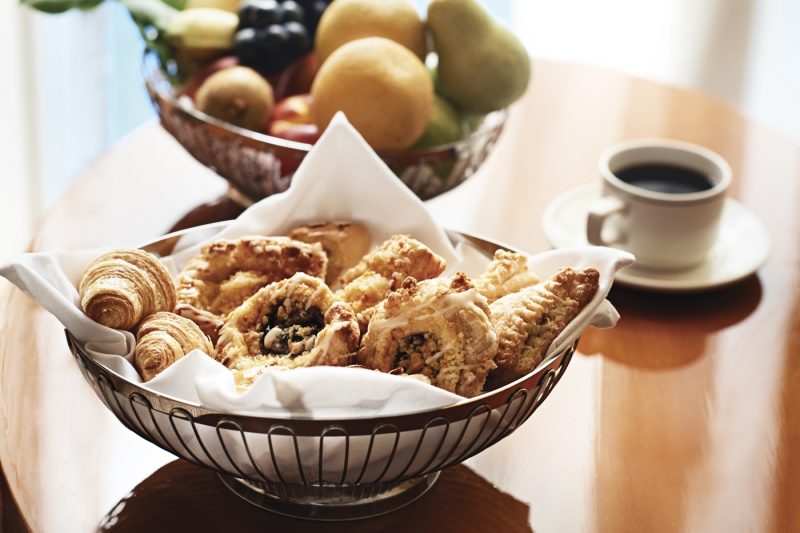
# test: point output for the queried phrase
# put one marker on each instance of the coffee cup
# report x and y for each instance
(661, 200)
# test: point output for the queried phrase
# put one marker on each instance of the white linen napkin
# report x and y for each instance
(340, 179)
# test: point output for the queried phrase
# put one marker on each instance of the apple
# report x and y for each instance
(291, 119)
(303, 133)
(299, 76)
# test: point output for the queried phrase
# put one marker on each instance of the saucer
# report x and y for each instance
(742, 246)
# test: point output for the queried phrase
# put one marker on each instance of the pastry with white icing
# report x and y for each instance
(439, 328)
(291, 323)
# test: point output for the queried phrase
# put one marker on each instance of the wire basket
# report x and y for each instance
(323, 469)
(257, 165)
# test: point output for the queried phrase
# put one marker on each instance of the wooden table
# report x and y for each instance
(685, 417)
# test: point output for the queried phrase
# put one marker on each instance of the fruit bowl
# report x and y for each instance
(257, 165)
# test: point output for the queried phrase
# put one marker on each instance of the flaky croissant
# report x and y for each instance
(162, 339)
(120, 288)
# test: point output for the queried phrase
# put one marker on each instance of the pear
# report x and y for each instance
(482, 65)
(444, 128)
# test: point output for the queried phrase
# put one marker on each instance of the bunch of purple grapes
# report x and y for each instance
(272, 33)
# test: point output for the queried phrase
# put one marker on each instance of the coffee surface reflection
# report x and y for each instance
(671, 179)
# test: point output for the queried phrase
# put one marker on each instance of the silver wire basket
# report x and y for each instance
(322, 469)
(257, 165)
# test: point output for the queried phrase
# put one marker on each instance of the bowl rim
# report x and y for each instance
(493, 399)
(155, 77)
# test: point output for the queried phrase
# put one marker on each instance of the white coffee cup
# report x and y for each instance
(664, 229)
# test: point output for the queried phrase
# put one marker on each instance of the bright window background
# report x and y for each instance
(74, 87)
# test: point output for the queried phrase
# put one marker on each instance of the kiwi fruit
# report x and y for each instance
(237, 95)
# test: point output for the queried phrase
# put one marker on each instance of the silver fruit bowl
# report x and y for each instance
(257, 165)
(324, 469)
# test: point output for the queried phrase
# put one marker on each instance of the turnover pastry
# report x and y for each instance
(227, 272)
(383, 270)
(529, 320)
(507, 272)
(162, 339)
(291, 323)
(345, 243)
(118, 289)
(439, 328)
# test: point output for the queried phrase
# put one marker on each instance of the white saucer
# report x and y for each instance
(742, 246)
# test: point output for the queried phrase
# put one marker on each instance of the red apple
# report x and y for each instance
(303, 133)
(291, 119)
(300, 75)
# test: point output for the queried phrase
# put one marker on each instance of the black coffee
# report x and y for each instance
(659, 177)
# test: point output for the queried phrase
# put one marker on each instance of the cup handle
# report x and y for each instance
(599, 211)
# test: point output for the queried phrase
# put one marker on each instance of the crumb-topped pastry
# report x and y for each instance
(439, 328)
(345, 243)
(383, 270)
(290, 323)
(529, 320)
(227, 272)
(506, 273)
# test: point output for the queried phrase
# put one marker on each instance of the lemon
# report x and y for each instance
(348, 20)
(383, 89)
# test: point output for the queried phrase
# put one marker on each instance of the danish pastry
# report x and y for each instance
(439, 328)
(227, 272)
(364, 293)
(162, 339)
(383, 269)
(529, 320)
(118, 289)
(290, 323)
(345, 243)
(508, 272)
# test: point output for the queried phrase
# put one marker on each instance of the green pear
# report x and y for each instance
(482, 65)
(444, 127)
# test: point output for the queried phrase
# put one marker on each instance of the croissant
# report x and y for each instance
(120, 288)
(162, 339)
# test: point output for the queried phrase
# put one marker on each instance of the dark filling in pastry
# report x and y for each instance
(418, 353)
(291, 332)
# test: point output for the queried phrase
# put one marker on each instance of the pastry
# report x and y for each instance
(345, 243)
(508, 272)
(529, 320)
(383, 270)
(399, 256)
(290, 323)
(118, 289)
(439, 328)
(364, 293)
(227, 272)
(162, 339)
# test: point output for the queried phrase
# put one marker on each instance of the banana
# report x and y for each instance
(227, 5)
(203, 28)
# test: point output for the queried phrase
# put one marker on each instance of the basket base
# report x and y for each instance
(331, 503)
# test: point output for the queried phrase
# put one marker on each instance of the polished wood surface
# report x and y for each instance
(685, 417)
